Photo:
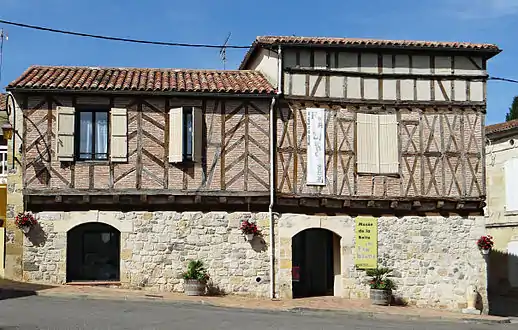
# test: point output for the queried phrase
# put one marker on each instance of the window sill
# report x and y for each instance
(92, 162)
(391, 175)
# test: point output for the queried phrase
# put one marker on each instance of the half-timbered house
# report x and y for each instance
(132, 172)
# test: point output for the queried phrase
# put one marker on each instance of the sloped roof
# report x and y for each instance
(369, 43)
(502, 127)
(141, 79)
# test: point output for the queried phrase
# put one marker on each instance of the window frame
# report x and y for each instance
(187, 156)
(77, 129)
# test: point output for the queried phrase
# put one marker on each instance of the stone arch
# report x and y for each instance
(93, 252)
(74, 219)
(290, 225)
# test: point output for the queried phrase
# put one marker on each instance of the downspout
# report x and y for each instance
(272, 176)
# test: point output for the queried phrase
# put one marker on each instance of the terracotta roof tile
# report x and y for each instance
(371, 43)
(502, 127)
(140, 79)
(3, 97)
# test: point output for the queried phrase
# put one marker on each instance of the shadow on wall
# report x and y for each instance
(502, 296)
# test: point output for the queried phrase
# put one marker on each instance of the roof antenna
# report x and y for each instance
(223, 51)
(3, 35)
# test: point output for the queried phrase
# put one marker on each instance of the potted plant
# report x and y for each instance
(25, 221)
(380, 286)
(249, 229)
(485, 244)
(195, 278)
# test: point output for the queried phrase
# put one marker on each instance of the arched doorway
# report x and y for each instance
(93, 253)
(316, 263)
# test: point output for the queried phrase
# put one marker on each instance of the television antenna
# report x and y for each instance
(3, 35)
(223, 51)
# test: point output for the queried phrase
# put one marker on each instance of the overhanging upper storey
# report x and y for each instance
(373, 70)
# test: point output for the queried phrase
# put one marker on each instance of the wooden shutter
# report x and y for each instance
(65, 133)
(367, 158)
(175, 135)
(119, 135)
(197, 134)
(511, 187)
(388, 144)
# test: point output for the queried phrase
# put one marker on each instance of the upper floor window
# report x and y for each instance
(377, 145)
(187, 133)
(86, 134)
(3, 160)
(92, 142)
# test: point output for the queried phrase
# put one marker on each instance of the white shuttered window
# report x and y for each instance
(511, 186)
(377, 144)
(175, 135)
(65, 133)
(185, 134)
(367, 143)
(119, 135)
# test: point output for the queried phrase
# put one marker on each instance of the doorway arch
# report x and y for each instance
(93, 253)
(316, 263)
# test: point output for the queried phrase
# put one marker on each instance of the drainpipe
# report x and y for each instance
(272, 177)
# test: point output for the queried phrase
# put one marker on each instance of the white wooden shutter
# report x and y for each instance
(388, 144)
(197, 134)
(175, 135)
(367, 154)
(65, 133)
(511, 185)
(119, 135)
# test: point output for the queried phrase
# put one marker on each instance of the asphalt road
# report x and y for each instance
(59, 313)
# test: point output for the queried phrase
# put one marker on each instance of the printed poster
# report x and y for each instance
(316, 136)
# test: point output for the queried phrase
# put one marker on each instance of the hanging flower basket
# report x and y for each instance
(249, 229)
(485, 244)
(25, 221)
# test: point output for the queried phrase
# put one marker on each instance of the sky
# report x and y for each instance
(209, 22)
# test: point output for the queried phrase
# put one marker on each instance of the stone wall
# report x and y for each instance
(435, 259)
(155, 248)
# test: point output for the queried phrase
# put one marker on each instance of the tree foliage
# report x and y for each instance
(513, 110)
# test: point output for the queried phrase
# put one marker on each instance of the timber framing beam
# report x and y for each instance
(479, 106)
(218, 201)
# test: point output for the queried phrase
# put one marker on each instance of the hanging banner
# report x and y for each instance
(366, 247)
(316, 136)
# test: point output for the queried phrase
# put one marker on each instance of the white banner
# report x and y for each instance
(316, 135)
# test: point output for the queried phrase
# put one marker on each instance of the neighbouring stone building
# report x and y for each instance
(133, 172)
(502, 214)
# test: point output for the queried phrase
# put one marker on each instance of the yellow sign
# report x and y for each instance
(366, 231)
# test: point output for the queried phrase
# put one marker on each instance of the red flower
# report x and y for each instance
(24, 219)
(249, 227)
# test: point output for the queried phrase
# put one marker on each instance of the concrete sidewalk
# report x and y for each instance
(318, 305)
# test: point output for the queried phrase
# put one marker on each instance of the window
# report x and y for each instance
(93, 135)
(3, 160)
(187, 133)
(510, 172)
(377, 144)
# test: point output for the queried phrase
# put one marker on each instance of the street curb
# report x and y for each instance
(295, 310)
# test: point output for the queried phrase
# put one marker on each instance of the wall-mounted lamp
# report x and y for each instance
(7, 131)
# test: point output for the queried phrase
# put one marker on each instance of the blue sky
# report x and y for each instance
(209, 21)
